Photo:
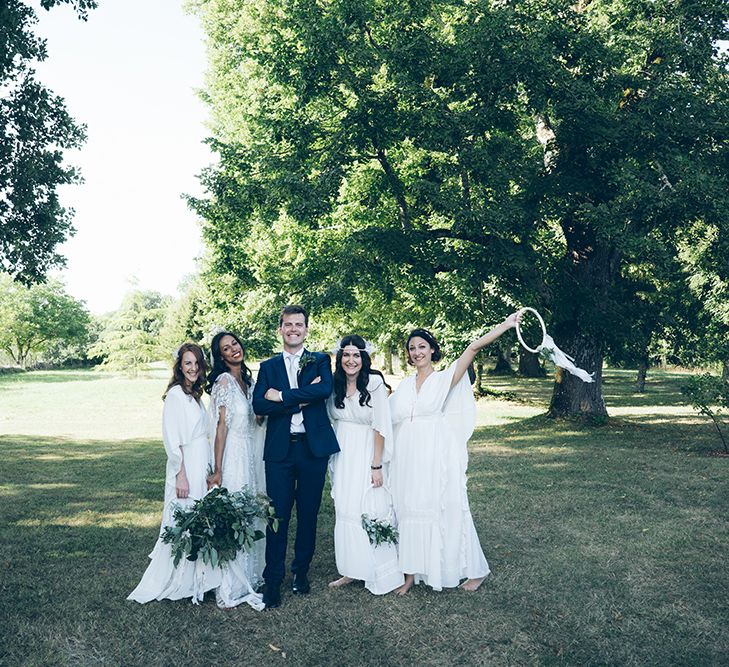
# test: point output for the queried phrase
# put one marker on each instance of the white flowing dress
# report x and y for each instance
(438, 540)
(185, 436)
(352, 491)
(242, 466)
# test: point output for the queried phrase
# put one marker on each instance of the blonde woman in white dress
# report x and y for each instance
(185, 436)
(434, 414)
(359, 410)
(237, 460)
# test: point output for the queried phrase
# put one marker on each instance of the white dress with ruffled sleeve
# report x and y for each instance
(438, 540)
(185, 435)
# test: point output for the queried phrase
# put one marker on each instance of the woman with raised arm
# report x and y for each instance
(360, 413)
(185, 436)
(237, 459)
(434, 414)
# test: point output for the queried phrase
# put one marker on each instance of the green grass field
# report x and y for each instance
(608, 545)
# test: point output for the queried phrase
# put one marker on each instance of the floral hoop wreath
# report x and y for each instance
(541, 323)
(548, 348)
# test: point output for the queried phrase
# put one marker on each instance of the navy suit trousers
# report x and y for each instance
(298, 478)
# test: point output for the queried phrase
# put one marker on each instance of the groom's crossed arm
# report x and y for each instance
(261, 405)
(311, 393)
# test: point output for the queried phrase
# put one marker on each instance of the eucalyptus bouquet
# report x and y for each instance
(219, 525)
(379, 531)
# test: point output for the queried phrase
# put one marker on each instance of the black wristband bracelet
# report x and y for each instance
(379, 467)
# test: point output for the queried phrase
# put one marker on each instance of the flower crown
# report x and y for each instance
(369, 348)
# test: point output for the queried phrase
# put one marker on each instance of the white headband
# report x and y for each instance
(369, 348)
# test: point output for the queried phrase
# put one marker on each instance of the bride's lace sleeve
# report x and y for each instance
(222, 397)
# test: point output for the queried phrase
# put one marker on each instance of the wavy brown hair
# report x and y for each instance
(178, 376)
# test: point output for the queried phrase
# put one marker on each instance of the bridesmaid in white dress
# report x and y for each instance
(238, 460)
(434, 414)
(360, 413)
(185, 435)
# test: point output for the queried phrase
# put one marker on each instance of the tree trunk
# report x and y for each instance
(402, 356)
(589, 274)
(388, 358)
(503, 365)
(725, 370)
(530, 366)
(571, 396)
(479, 376)
(642, 372)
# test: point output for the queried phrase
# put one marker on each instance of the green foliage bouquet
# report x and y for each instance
(379, 531)
(219, 525)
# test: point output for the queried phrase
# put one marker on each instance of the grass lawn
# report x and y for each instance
(608, 545)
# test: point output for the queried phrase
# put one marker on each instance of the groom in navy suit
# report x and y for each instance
(291, 390)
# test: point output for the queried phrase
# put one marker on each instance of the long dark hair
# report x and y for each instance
(363, 378)
(428, 338)
(219, 365)
(178, 377)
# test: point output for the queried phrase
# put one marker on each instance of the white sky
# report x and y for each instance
(130, 74)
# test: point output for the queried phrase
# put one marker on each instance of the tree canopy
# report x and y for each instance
(40, 318)
(35, 130)
(431, 153)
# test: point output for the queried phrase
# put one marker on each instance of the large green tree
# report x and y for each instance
(131, 335)
(35, 129)
(37, 319)
(541, 147)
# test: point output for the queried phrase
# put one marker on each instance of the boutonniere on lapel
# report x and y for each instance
(305, 359)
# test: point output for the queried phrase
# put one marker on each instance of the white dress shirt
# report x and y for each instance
(291, 361)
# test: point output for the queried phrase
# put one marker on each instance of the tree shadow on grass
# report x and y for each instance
(662, 389)
(575, 580)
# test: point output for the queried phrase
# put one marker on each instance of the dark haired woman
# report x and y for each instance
(434, 414)
(238, 458)
(360, 413)
(185, 436)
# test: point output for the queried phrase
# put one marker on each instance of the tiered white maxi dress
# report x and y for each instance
(185, 436)
(242, 466)
(438, 541)
(352, 490)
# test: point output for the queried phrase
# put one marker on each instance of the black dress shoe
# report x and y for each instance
(300, 585)
(272, 596)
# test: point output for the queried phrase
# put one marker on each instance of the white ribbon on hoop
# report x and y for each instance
(559, 358)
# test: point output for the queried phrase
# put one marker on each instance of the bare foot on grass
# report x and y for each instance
(342, 581)
(409, 581)
(471, 584)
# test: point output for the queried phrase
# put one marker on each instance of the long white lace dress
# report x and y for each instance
(438, 540)
(352, 490)
(185, 436)
(242, 466)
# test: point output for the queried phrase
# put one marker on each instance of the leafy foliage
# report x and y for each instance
(131, 335)
(379, 531)
(709, 395)
(35, 129)
(40, 319)
(440, 152)
(219, 525)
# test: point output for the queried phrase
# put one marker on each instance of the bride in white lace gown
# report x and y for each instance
(238, 460)
(185, 435)
(434, 414)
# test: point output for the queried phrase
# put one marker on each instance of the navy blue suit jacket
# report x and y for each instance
(319, 432)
